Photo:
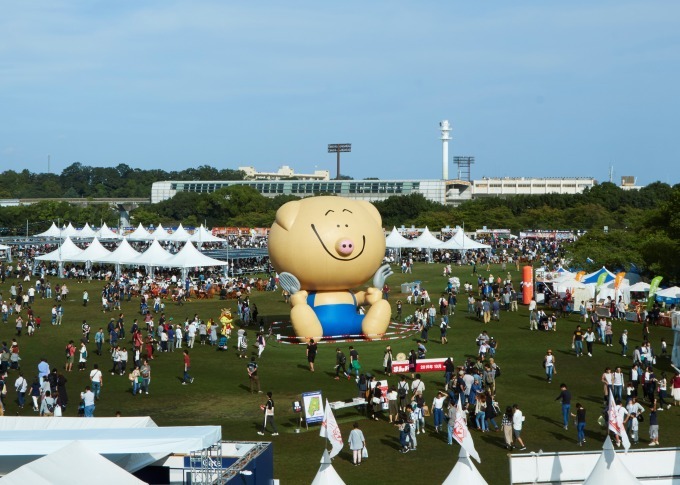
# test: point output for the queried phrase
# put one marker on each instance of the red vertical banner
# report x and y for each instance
(528, 284)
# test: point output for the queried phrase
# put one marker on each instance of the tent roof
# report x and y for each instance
(93, 252)
(464, 472)
(124, 252)
(131, 448)
(139, 234)
(155, 255)
(672, 292)
(190, 257)
(609, 469)
(53, 231)
(426, 240)
(76, 459)
(180, 234)
(461, 242)
(69, 231)
(10, 423)
(592, 277)
(161, 234)
(327, 474)
(203, 235)
(640, 286)
(86, 231)
(105, 233)
(395, 240)
(66, 250)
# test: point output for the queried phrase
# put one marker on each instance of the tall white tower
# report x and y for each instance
(445, 128)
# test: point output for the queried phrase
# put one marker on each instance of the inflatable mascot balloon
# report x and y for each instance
(322, 247)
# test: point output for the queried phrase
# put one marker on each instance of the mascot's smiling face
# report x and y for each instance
(328, 243)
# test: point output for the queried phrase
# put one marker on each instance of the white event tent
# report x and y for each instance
(105, 233)
(610, 469)
(202, 235)
(93, 253)
(426, 240)
(459, 241)
(71, 463)
(52, 232)
(86, 232)
(180, 235)
(155, 255)
(65, 251)
(139, 234)
(190, 257)
(69, 231)
(327, 474)
(395, 240)
(465, 472)
(161, 234)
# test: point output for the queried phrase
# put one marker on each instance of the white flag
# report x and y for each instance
(616, 422)
(330, 430)
(462, 435)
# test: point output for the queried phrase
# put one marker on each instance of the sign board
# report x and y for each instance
(312, 404)
(422, 365)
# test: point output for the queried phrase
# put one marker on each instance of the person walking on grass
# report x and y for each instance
(580, 423)
(252, 375)
(565, 397)
(549, 365)
(268, 409)
(311, 353)
(517, 424)
(340, 361)
(187, 379)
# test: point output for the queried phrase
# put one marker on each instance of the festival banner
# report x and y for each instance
(579, 275)
(616, 422)
(618, 280)
(422, 365)
(653, 286)
(462, 435)
(331, 431)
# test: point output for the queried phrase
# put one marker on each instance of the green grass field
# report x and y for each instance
(220, 393)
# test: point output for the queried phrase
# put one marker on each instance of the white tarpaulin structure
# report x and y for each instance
(327, 474)
(12, 423)
(609, 469)
(86, 232)
(75, 462)
(105, 233)
(426, 240)
(129, 448)
(465, 472)
(139, 234)
(459, 241)
(161, 234)
(69, 231)
(180, 235)
(395, 240)
(124, 252)
(93, 253)
(155, 255)
(202, 235)
(53, 231)
(64, 252)
(190, 257)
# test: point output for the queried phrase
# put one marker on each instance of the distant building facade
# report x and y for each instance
(284, 172)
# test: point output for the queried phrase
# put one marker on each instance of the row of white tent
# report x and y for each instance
(458, 242)
(125, 254)
(139, 234)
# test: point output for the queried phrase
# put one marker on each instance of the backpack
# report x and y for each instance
(50, 407)
(401, 391)
(498, 372)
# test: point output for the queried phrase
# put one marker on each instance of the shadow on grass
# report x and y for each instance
(538, 378)
(548, 420)
(392, 443)
(595, 399)
(493, 438)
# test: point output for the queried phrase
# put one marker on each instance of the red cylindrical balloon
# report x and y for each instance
(528, 286)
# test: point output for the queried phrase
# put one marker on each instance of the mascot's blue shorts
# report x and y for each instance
(339, 318)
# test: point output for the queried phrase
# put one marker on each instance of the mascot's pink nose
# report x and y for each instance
(344, 247)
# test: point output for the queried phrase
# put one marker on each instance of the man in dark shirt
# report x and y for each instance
(353, 357)
(577, 341)
(565, 396)
(252, 374)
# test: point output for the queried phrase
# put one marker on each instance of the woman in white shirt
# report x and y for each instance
(618, 384)
(438, 410)
(549, 365)
(607, 381)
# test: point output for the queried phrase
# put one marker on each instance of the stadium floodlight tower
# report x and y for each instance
(339, 148)
(445, 128)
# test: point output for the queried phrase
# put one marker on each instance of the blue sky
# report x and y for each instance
(532, 88)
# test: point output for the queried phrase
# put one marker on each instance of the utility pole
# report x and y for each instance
(338, 148)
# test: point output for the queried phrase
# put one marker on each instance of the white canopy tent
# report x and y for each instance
(65, 251)
(92, 253)
(461, 242)
(395, 240)
(609, 469)
(155, 255)
(124, 252)
(426, 240)
(12, 423)
(190, 257)
(70, 464)
(139, 234)
(86, 232)
(69, 231)
(129, 448)
(105, 233)
(464, 472)
(161, 234)
(202, 235)
(327, 474)
(52, 232)
(180, 235)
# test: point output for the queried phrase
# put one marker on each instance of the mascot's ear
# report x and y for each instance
(372, 211)
(287, 213)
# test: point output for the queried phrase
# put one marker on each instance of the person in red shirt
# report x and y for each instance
(187, 367)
